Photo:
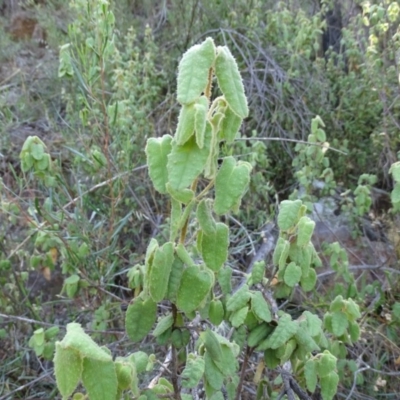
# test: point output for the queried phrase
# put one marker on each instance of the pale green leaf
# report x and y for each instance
(77, 339)
(99, 379)
(201, 107)
(288, 214)
(395, 171)
(140, 318)
(314, 323)
(193, 71)
(260, 307)
(258, 272)
(216, 312)
(157, 150)
(283, 332)
(230, 82)
(329, 386)
(184, 196)
(67, 369)
(193, 371)
(326, 364)
(230, 184)
(160, 271)
(194, 288)
(308, 282)
(214, 247)
(339, 323)
(213, 375)
(37, 151)
(395, 195)
(205, 217)
(292, 274)
(186, 162)
(186, 121)
(239, 299)
(174, 280)
(310, 373)
(224, 280)
(212, 344)
(305, 229)
(163, 324)
(229, 362)
(230, 126)
(238, 317)
(175, 216)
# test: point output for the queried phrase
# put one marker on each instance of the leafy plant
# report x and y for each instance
(190, 275)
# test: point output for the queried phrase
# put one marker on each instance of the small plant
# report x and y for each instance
(189, 274)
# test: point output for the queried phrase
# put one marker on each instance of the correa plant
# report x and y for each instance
(185, 295)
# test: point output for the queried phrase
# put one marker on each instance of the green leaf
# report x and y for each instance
(314, 323)
(163, 324)
(279, 248)
(239, 299)
(186, 121)
(214, 247)
(326, 364)
(288, 214)
(271, 360)
(230, 82)
(238, 317)
(216, 312)
(174, 280)
(212, 344)
(37, 151)
(210, 169)
(305, 229)
(205, 218)
(260, 307)
(201, 108)
(184, 255)
(352, 310)
(230, 126)
(157, 150)
(160, 271)
(193, 71)
(258, 334)
(339, 323)
(67, 369)
(395, 195)
(184, 196)
(230, 184)
(77, 339)
(186, 162)
(395, 171)
(140, 359)
(329, 386)
(310, 373)
(193, 371)
(213, 375)
(175, 216)
(283, 332)
(258, 272)
(292, 274)
(354, 331)
(99, 379)
(284, 255)
(225, 280)
(194, 288)
(285, 352)
(140, 318)
(304, 339)
(308, 282)
(228, 364)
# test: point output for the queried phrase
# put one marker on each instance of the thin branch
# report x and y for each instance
(267, 139)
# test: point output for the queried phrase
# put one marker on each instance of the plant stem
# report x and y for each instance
(247, 355)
